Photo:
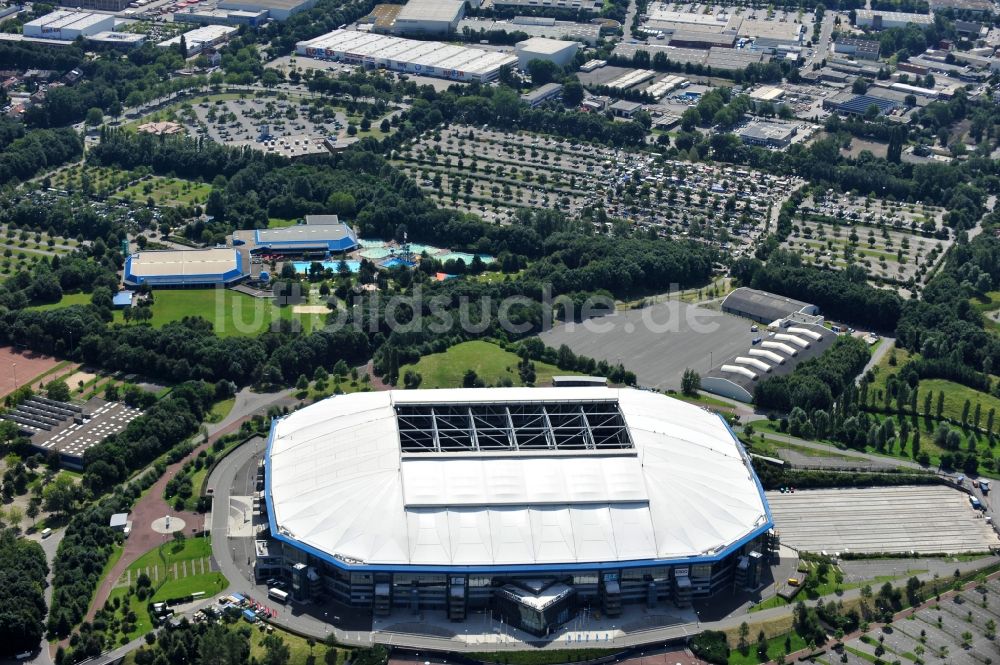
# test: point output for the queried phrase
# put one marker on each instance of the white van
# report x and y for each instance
(46, 532)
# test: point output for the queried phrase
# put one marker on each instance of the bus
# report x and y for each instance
(278, 595)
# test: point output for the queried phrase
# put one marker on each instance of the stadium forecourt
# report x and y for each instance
(531, 502)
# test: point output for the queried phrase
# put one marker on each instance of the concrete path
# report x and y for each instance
(152, 505)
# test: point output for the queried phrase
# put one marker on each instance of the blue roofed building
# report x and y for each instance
(220, 266)
(122, 299)
(851, 104)
(320, 233)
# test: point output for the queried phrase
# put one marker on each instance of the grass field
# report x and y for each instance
(955, 395)
(67, 300)
(175, 570)
(220, 410)
(167, 191)
(233, 314)
(489, 361)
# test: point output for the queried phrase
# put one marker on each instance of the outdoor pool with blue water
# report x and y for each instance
(303, 266)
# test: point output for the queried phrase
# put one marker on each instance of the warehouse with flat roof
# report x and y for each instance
(428, 17)
(279, 10)
(764, 307)
(542, 48)
(186, 267)
(67, 26)
(201, 38)
(877, 19)
(460, 63)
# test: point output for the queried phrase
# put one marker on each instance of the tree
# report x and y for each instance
(60, 495)
(572, 93)
(15, 516)
(690, 382)
(94, 117)
(57, 390)
(276, 652)
(543, 71)
(761, 646)
(743, 644)
(219, 646)
(32, 511)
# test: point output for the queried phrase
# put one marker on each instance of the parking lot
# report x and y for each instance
(959, 630)
(491, 173)
(242, 120)
(923, 519)
(891, 241)
(658, 342)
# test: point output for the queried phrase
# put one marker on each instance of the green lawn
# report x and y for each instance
(775, 648)
(67, 300)
(167, 191)
(278, 222)
(159, 564)
(232, 314)
(955, 395)
(220, 410)
(489, 361)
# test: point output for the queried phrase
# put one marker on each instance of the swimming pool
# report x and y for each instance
(376, 252)
(464, 256)
(392, 263)
(303, 266)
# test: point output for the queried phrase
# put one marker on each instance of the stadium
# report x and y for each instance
(529, 502)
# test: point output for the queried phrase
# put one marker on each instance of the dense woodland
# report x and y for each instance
(22, 581)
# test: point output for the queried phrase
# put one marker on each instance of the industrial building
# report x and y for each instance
(66, 25)
(437, 18)
(777, 352)
(550, 7)
(279, 10)
(764, 307)
(535, 26)
(221, 16)
(767, 93)
(320, 234)
(847, 103)
(99, 5)
(542, 94)
(459, 63)
(866, 49)
(880, 20)
(201, 38)
(530, 502)
(186, 267)
(541, 48)
(118, 39)
(768, 134)
(69, 429)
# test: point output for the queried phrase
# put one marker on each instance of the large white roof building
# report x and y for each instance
(530, 501)
(462, 63)
(518, 476)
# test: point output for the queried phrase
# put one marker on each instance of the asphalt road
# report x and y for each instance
(822, 47)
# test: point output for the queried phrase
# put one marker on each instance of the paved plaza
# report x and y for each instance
(925, 519)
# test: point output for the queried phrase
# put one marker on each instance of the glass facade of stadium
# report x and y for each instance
(534, 600)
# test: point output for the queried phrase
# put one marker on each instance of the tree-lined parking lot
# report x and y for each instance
(492, 173)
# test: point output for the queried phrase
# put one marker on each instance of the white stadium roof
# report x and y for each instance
(505, 477)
